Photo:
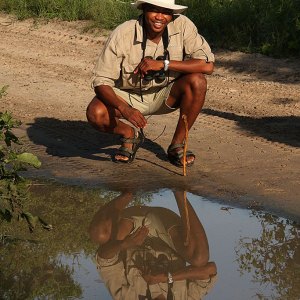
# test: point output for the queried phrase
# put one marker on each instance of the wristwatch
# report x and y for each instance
(166, 64)
(170, 278)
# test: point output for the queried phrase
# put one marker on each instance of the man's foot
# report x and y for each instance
(126, 153)
(175, 155)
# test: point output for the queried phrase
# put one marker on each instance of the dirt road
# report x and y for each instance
(246, 140)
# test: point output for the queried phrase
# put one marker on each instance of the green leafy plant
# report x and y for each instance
(13, 187)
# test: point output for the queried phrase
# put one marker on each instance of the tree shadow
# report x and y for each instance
(65, 138)
(285, 129)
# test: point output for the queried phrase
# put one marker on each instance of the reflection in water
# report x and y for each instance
(273, 257)
(151, 252)
(258, 255)
(27, 273)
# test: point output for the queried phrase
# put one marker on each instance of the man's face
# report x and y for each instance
(157, 18)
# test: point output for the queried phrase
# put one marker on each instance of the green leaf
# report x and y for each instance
(10, 137)
(7, 121)
(5, 118)
(29, 158)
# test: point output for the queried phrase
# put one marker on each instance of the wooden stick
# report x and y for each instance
(184, 117)
(188, 227)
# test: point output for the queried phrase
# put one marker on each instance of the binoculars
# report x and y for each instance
(159, 76)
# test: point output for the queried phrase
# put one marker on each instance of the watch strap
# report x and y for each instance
(166, 64)
(170, 278)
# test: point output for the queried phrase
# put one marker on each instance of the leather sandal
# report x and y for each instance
(175, 155)
(136, 142)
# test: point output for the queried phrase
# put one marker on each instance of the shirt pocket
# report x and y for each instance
(129, 79)
(176, 52)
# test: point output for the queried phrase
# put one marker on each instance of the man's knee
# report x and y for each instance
(99, 234)
(197, 82)
(199, 260)
(95, 112)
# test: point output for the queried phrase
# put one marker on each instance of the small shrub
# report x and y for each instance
(13, 187)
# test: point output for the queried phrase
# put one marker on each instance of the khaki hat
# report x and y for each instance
(169, 4)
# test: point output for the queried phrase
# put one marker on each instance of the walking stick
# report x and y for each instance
(188, 227)
(184, 117)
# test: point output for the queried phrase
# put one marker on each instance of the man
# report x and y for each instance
(151, 252)
(153, 65)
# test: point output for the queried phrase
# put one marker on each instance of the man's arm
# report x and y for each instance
(192, 66)
(185, 67)
(189, 272)
(196, 273)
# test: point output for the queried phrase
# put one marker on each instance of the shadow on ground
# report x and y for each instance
(79, 139)
(284, 130)
(262, 67)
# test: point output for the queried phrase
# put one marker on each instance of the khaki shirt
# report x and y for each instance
(123, 52)
(123, 278)
(132, 286)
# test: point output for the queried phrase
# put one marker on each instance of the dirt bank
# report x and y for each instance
(246, 140)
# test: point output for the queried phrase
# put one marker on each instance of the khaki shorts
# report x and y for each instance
(152, 102)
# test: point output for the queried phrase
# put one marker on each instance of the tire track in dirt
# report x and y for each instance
(233, 126)
(43, 29)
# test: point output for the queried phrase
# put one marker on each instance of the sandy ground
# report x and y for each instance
(246, 140)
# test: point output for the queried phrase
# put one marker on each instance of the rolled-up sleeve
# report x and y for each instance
(112, 273)
(107, 68)
(195, 45)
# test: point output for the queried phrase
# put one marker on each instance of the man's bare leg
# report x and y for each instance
(107, 119)
(188, 93)
(197, 250)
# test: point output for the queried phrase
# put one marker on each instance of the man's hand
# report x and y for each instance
(133, 115)
(135, 239)
(148, 64)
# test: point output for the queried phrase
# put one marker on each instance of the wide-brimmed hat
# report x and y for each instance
(170, 4)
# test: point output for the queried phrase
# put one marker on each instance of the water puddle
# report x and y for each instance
(209, 250)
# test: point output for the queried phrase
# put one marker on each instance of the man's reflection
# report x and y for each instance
(151, 252)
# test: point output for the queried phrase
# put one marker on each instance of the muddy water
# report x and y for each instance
(257, 255)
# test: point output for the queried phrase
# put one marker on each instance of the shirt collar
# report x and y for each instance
(172, 29)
